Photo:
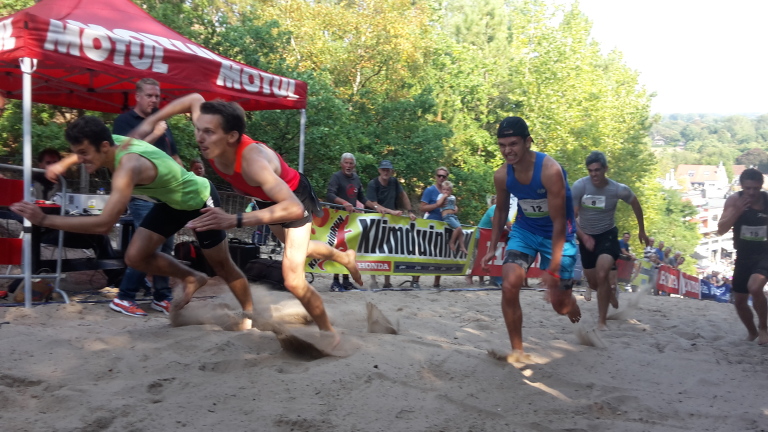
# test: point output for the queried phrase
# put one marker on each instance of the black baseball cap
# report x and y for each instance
(385, 164)
(513, 126)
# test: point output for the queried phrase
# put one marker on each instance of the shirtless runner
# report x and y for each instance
(285, 197)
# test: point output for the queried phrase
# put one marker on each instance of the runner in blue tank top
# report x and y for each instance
(544, 225)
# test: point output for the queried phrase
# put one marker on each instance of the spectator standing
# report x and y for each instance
(660, 251)
(747, 213)
(430, 205)
(449, 211)
(382, 196)
(485, 222)
(197, 167)
(345, 189)
(649, 249)
(624, 244)
(672, 260)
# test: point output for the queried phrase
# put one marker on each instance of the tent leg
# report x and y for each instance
(301, 139)
(28, 66)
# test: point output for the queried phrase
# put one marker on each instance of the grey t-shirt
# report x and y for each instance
(597, 207)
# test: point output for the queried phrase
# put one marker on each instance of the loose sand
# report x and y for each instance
(669, 364)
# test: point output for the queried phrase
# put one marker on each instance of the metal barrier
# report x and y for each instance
(27, 266)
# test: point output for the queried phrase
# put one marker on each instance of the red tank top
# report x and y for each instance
(287, 174)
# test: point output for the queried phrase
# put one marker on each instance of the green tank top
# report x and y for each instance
(173, 185)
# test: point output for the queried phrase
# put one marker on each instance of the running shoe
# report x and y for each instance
(415, 285)
(3, 294)
(337, 287)
(127, 307)
(349, 286)
(162, 306)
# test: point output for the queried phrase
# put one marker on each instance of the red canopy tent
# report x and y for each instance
(89, 55)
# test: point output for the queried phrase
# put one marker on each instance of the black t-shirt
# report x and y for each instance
(384, 195)
(128, 121)
(750, 232)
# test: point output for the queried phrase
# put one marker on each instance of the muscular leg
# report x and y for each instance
(603, 270)
(142, 255)
(294, 258)
(614, 300)
(563, 301)
(513, 276)
(755, 287)
(745, 314)
(221, 262)
(591, 275)
(319, 250)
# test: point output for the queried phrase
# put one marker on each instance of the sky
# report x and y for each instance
(698, 56)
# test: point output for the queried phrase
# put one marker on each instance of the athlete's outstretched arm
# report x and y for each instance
(257, 172)
(187, 104)
(638, 209)
(123, 181)
(554, 182)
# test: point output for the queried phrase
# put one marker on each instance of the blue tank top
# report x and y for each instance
(532, 208)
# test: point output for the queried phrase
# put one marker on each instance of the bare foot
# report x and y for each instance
(351, 265)
(751, 337)
(468, 280)
(588, 294)
(614, 300)
(246, 321)
(575, 313)
(602, 327)
(516, 356)
(463, 249)
(452, 246)
(763, 337)
(191, 285)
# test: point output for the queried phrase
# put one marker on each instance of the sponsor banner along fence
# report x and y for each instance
(387, 244)
(720, 294)
(395, 245)
(673, 281)
(483, 243)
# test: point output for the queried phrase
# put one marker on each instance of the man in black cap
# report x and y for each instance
(382, 194)
(544, 225)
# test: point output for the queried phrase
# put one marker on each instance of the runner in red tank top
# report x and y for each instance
(256, 170)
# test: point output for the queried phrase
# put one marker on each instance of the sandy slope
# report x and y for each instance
(676, 365)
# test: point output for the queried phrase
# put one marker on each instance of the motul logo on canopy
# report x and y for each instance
(6, 41)
(145, 51)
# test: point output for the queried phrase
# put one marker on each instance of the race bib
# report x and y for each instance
(754, 233)
(534, 208)
(593, 201)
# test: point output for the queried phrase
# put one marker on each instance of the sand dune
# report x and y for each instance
(668, 365)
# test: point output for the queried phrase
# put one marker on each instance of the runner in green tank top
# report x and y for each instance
(140, 167)
(173, 185)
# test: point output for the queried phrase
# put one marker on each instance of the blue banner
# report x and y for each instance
(720, 294)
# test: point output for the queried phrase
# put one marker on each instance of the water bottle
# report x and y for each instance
(100, 191)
